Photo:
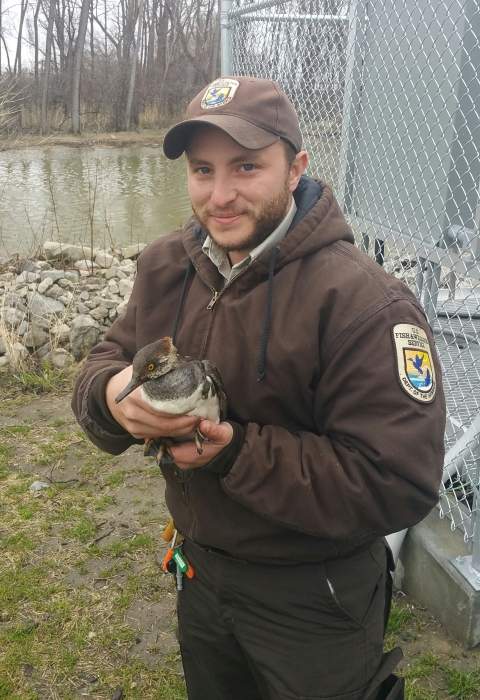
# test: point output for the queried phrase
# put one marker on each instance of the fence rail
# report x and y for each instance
(388, 96)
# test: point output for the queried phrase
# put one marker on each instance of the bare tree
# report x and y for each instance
(133, 67)
(77, 66)
(17, 67)
(46, 68)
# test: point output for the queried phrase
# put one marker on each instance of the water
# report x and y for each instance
(122, 195)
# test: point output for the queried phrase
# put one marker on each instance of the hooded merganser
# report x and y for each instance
(177, 385)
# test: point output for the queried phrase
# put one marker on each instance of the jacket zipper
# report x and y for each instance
(216, 294)
(213, 300)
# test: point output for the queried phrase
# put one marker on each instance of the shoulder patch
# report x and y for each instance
(416, 371)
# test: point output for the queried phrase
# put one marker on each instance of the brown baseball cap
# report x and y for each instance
(254, 112)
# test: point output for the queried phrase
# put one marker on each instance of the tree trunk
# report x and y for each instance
(18, 56)
(77, 66)
(46, 69)
(35, 31)
(128, 108)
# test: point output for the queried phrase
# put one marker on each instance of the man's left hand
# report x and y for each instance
(218, 436)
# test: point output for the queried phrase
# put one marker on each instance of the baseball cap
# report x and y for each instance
(254, 112)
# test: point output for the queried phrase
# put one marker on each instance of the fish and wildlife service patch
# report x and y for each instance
(219, 93)
(414, 362)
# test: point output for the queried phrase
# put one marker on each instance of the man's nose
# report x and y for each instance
(223, 192)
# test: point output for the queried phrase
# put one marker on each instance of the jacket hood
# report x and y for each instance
(317, 223)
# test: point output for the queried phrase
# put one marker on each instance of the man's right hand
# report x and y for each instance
(138, 418)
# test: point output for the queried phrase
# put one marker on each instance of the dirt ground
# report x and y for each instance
(84, 606)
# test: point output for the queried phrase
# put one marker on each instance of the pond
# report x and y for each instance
(118, 196)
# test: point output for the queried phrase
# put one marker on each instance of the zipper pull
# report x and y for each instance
(213, 300)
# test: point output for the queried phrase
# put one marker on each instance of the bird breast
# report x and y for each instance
(183, 391)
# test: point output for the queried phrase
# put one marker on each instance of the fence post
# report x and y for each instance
(225, 37)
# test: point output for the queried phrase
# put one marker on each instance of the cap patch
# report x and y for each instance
(414, 362)
(219, 93)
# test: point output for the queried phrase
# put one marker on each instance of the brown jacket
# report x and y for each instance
(329, 451)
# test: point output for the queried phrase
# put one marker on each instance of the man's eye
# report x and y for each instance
(203, 171)
(248, 167)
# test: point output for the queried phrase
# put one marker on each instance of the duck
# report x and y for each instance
(176, 385)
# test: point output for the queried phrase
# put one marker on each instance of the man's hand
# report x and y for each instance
(138, 418)
(218, 436)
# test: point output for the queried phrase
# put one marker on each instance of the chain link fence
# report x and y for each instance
(388, 95)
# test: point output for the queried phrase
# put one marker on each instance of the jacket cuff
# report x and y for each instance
(224, 461)
(98, 408)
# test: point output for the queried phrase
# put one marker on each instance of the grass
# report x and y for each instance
(66, 591)
(73, 579)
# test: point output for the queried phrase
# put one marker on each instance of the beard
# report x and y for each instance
(265, 221)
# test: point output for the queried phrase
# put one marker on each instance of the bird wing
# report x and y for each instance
(217, 384)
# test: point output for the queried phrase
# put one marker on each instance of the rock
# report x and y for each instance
(41, 305)
(19, 351)
(72, 276)
(104, 259)
(22, 292)
(54, 275)
(86, 265)
(27, 277)
(60, 358)
(42, 265)
(52, 251)
(132, 251)
(38, 486)
(35, 338)
(125, 287)
(113, 287)
(122, 307)
(82, 309)
(44, 351)
(61, 332)
(22, 328)
(12, 317)
(27, 266)
(107, 303)
(84, 335)
(15, 301)
(112, 314)
(64, 283)
(99, 313)
(54, 292)
(84, 296)
(111, 272)
(3, 361)
(122, 275)
(7, 276)
(45, 284)
(3, 348)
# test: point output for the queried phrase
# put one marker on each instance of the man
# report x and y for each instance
(336, 414)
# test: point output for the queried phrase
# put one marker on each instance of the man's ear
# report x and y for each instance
(296, 171)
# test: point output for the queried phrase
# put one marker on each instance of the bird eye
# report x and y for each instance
(150, 367)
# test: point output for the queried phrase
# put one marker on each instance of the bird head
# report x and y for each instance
(149, 363)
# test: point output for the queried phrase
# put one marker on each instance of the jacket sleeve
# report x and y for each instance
(105, 360)
(375, 464)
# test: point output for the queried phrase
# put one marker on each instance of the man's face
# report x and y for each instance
(239, 196)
